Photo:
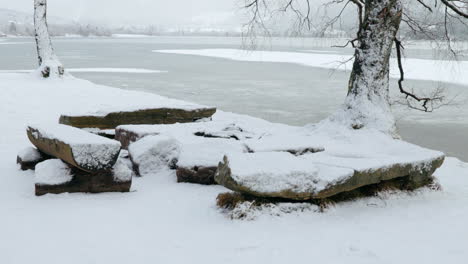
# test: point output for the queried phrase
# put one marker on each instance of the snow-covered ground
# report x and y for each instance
(162, 221)
(98, 70)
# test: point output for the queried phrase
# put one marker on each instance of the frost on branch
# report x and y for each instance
(49, 64)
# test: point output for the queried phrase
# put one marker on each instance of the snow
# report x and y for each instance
(364, 150)
(52, 172)
(207, 153)
(154, 153)
(168, 222)
(295, 142)
(29, 154)
(122, 170)
(114, 70)
(269, 172)
(130, 36)
(97, 70)
(416, 69)
(88, 149)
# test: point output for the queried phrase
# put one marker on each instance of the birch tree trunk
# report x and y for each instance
(367, 103)
(49, 64)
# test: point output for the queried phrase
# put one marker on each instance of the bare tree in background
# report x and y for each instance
(367, 103)
(49, 64)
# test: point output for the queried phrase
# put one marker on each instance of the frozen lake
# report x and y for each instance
(279, 92)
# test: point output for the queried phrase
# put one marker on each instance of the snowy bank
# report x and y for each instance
(416, 69)
(163, 221)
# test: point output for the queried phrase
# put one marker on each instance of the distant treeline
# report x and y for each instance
(458, 31)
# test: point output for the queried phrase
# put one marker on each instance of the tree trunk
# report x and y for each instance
(49, 64)
(367, 103)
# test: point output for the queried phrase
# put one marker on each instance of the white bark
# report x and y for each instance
(367, 104)
(49, 64)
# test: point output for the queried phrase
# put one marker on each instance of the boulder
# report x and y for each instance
(126, 135)
(55, 176)
(154, 153)
(29, 157)
(85, 151)
(146, 116)
(282, 175)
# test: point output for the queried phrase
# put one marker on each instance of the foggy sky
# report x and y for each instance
(128, 11)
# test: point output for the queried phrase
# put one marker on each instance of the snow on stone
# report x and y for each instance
(279, 171)
(119, 100)
(293, 142)
(153, 153)
(122, 170)
(416, 69)
(52, 172)
(364, 149)
(29, 154)
(87, 148)
(207, 153)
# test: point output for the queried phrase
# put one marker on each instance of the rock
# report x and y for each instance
(78, 148)
(200, 175)
(127, 136)
(146, 116)
(417, 174)
(154, 153)
(282, 175)
(29, 157)
(55, 176)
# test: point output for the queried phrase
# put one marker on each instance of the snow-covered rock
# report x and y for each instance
(55, 176)
(154, 153)
(52, 172)
(278, 174)
(79, 148)
(370, 156)
(29, 157)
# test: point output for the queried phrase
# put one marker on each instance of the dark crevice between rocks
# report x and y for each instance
(197, 174)
(230, 200)
(208, 135)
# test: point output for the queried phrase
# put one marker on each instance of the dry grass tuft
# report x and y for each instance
(232, 200)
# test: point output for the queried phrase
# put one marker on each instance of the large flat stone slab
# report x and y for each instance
(282, 175)
(78, 148)
(145, 116)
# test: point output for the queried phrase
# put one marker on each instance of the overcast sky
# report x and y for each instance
(128, 11)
